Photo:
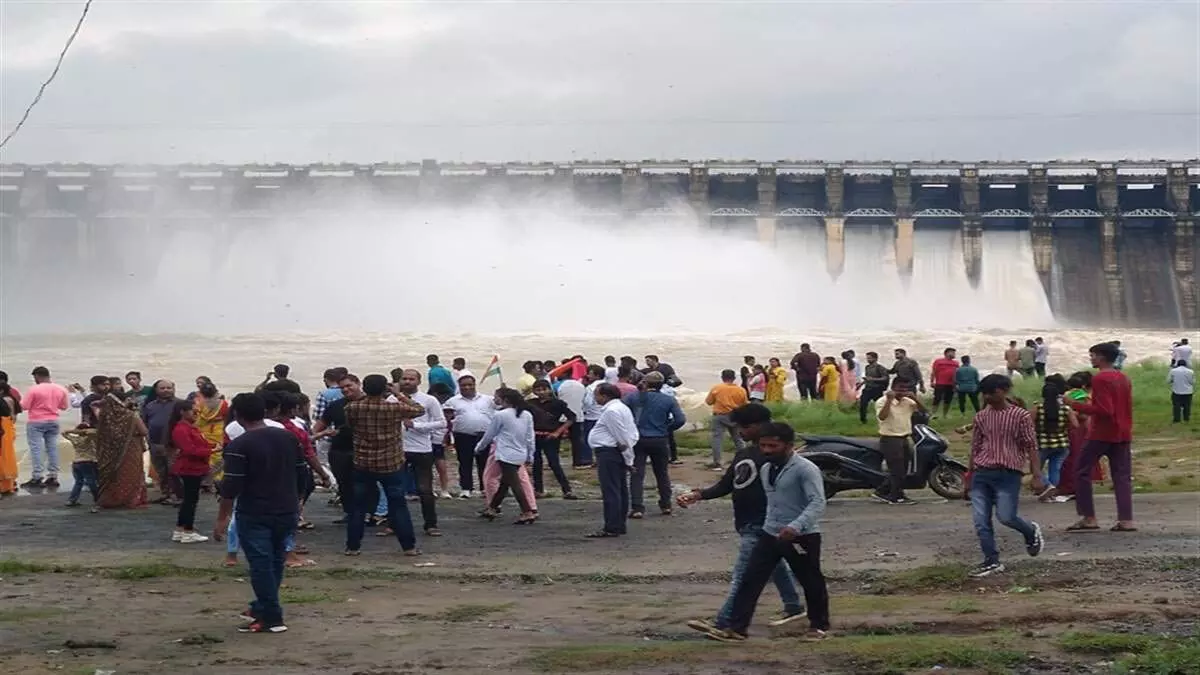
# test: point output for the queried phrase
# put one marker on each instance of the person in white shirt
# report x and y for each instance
(590, 410)
(511, 429)
(611, 372)
(418, 445)
(1181, 351)
(1183, 386)
(469, 413)
(1041, 354)
(572, 391)
(612, 438)
(458, 367)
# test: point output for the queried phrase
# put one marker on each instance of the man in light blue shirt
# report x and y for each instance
(657, 415)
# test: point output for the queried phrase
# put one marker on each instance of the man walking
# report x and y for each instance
(875, 383)
(376, 425)
(895, 428)
(724, 399)
(743, 480)
(419, 436)
(612, 438)
(1109, 433)
(469, 417)
(1183, 385)
(795, 502)
(806, 363)
(265, 472)
(1003, 444)
(43, 403)
(657, 415)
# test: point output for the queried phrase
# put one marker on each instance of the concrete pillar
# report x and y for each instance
(1184, 259)
(1039, 191)
(972, 249)
(767, 187)
(431, 175)
(1106, 190)
(901, 191)
(1042, 238)
(834, 191)
(1114, 280)
(633, 189)
(969, 191)
(904, 248)
(1178, 191)
(698, 192)
(835, 246)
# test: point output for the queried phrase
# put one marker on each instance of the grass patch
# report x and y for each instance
(1165, 657)
(296, 597)
(11, 614)
(941, 577)
(10, 567)
(472, 612)
(963, 606)
(914, 651)
(154, 570)
(1107, 643)
(849, 605)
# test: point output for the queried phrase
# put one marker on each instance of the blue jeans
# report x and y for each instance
(397, 508)
(231, 537)
(84, 473)
(997, 489)
(782, 577)
(43, 438)
(587, 455)
(1052, 460)
(263, 539)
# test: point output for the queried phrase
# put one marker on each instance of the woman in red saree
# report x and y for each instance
(120, 445)
(1080, 386)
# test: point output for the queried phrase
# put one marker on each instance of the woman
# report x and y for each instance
(777, 376)
(120, 444)
(512, 431)
(827, 386)
(847, 378)
(1078, 388)
(1051, 420)
(756, 385)
(211, 412)
(192, 452)
(9, 409)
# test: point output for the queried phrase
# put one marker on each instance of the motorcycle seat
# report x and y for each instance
(847, 440)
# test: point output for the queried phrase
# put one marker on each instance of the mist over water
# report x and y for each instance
(497, 272)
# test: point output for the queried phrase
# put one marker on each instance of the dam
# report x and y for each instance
(1112, 243)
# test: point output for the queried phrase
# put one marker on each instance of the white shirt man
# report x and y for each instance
(1182, 380)
(611, 375)
(572, 392)
(615, 428)
(234, 428)
(591, 409)
(1181, 352)
(471, 415)
(418, 439)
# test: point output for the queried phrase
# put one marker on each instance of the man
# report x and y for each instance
(668, 373)
(138, 394)
(156, 415)
(724, 399)
(657, 415)
(552, 420)
(376, 426)
(942, 373)
(593, 377)
(1026, 357)
(280, 382)
(1181, 351)
(1041, 354)
(743, 480)
(635, 375)
(1109, 433)
(966, 383)
(795, 502)
(332, 377)
(895, 428)
(1183, 385)
(571, 392)
(611, 373)
(875, 383)
(439, 374)
(1003, 443)
(747, 369)
(612, 437)
(1012, 358)
(331, 428)
(100, 386)
(469, 415)
(420, 434)
(1119, 363)
(625, 381)
(265, 473)
(43, 403)
(459, 368)
(806, 363)
(532, 373)
(907, 369)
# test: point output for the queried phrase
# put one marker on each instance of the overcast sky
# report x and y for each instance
(174, 81)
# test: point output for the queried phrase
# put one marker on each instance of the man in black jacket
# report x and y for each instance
(743, 481)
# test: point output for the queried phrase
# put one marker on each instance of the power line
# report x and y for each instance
(58, 64)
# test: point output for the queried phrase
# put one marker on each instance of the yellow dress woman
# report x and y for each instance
(9, 409)
(828, 385)
(211, 410)
(777, 376)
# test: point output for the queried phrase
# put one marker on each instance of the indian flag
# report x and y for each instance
(493, 369)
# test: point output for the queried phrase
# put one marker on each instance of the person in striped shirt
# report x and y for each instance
(1002, 445)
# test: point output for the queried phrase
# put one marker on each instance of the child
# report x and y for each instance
(84, 469)
(1052, 420)
(1002, 445)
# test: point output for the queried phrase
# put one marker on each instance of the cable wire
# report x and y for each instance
(42, 90)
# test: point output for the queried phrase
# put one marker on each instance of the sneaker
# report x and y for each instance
(465, 494)
(192, 538)
(33, 483)
(880, 498)
(73, 502)
(51, 481)
(702, 625)
(904, 501)
(570, 496)
(986, 570)
(257, 626)
(247, 614)
(177, 535)
(1048, 494)
(1034, 547)
(445, 494)
(815, 635)
(725, 635)
(784, 618)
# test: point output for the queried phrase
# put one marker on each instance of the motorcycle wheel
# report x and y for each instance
(948, 481)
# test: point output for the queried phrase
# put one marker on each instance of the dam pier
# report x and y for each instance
(1113, 243)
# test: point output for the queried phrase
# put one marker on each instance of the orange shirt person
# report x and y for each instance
(724, 399)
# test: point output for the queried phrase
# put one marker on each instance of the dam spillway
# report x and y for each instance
(1113, 243)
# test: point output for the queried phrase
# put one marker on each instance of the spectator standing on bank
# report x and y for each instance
(1041, 354)
(966, 384)
(724, 399)
(1183, 386)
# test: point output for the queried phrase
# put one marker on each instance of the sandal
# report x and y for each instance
(305, 525)
(525, 521)
(351, 553)
(412, 553)
(636, 515)
(489, 514)
(1122, 528)
(601, 534)
(433, 532)
(300, 563)
(1082, 526)
(385, 532)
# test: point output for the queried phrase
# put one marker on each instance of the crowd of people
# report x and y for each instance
(380, 441)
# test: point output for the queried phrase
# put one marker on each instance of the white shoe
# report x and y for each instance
(177, 535)
(192, 538)
(465, 494)
(446, 495)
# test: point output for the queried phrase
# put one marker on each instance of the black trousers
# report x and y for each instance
(964, 396)
(614, 488)
(671, 444)
(805, 563)
(807, 388)
(1181, 407)
(869, 395)
(341, 464)
(1039, 368)
(895, 453)
(464, 449)
(549, 447)
(510, 479)
(186, 518)
(657, 452)
(422, 465)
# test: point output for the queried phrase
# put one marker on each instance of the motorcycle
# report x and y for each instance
(857, 464)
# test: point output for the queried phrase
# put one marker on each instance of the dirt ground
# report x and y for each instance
(490, 597)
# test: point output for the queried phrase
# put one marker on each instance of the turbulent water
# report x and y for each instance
(373, 292)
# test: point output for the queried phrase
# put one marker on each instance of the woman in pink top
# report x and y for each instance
(42, 403)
